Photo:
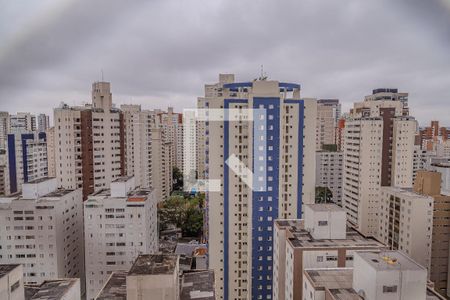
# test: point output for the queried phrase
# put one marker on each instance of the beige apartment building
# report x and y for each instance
(378, 151)
(406, 223)
(89, 142)
(417, 221)
(429, 184)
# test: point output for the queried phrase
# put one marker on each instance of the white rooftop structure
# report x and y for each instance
(325, 221)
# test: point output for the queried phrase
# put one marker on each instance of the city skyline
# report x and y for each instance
(48, 57)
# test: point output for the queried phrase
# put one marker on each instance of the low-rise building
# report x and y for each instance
(159, 276)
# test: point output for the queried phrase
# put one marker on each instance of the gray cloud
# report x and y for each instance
(162, 52)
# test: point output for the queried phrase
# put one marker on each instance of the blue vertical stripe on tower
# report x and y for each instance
(12, 163)
(265, 203)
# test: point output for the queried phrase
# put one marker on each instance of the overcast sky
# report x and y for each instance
(159, 53)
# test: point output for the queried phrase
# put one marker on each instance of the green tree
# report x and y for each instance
(183, 212)
(323, 195)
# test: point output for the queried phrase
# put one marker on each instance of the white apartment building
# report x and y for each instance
(11, 282)
(406, 223)
(26, 159)
(378, 151)
(329, 173)
(42, 229)
(89, 142)
(120, 224)
(279, 145)
(321, 240)
(22, 122)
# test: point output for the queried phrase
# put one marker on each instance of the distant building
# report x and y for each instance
(89, 152)
(321, 240)
(42, 229)
(22, 122)
(441, 165)
(328, 114)
(4, 128)
(26, 160)
(120, 223)
(43, 122)
(329, 173)
(378, 148)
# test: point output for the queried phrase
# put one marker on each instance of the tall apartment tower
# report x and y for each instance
(172, 125)
(26, 160)
(328, 114)
(138, 125)
(278, 145)
(42, 229)
(89, 142)
(120, 224)
(378, 146)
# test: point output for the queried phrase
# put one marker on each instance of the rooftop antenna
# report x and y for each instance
(263, 75)
(102, 74)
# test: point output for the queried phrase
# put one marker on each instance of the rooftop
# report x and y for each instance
(115, 288)
(301, 238)
(58, 193)
(5, 269)
(333, 278)
(292, 224)
(344, 294)
(39, 180)
(325, 207)
(122, 179)
(154, 264)
(51, 289)
(198, 285)
(106, 193)
(389, 260)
